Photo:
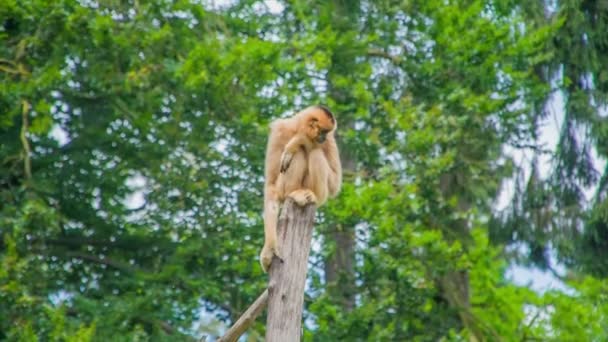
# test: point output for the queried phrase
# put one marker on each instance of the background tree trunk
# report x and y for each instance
(340, 265)
(288, 278)
(455, 284)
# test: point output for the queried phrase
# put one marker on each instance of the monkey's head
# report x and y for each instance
(319, 122)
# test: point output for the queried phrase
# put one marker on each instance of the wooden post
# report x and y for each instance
(285, 293)
(288, 277)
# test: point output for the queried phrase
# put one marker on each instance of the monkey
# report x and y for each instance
(302, 163)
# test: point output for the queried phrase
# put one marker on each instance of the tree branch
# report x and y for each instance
(383, 54)
(105, 261)
(27, 164)
(246, 320)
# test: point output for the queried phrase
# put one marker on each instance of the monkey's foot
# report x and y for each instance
(286, 158)
(303, 197)
(266, 257)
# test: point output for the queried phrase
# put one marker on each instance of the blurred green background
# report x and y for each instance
(473, 134)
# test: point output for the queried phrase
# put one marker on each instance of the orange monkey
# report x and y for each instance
(302, 162)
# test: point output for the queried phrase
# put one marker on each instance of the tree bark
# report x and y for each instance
(288, 276)
(455, 284)
(340, 268)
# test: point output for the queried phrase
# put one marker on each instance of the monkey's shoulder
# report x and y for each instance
(282, 129)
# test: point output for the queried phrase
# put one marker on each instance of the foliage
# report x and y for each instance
(132, 140)
(565, 202)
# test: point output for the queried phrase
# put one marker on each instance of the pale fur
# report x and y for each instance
(313, 175)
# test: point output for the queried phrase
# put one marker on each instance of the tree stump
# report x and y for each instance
(288, 276)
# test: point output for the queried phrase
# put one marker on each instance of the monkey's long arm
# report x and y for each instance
(271, 214)
(294, 144)
(271, 197)
(299, 140)
(334, 180)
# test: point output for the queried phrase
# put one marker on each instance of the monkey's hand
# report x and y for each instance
(286, 158)
(268, 252)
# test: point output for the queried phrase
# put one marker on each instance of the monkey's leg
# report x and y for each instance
(303, 196)
(271, 214)
(294, 179)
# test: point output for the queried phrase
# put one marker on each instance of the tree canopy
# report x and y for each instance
(132, 140)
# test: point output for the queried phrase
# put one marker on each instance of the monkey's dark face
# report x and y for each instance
(319, 127)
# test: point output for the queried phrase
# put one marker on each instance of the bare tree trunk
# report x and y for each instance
(288, 278)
